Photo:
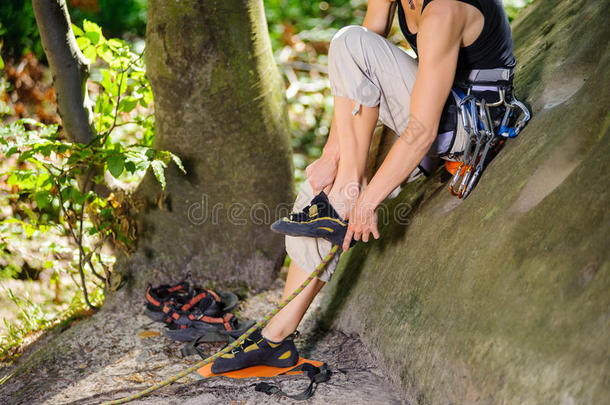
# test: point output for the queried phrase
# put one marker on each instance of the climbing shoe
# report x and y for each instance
(317, 220)
(258, 351)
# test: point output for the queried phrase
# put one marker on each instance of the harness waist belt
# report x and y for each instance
(485, 76)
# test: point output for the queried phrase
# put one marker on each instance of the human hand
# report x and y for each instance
(321, 173)
(362, 223)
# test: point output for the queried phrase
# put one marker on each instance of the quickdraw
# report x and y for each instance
(485, 139)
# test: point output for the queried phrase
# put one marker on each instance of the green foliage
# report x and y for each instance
(117, 17)
(18, 29)
(33, 317)
(316, 20)
(513, 7)
(57, 180)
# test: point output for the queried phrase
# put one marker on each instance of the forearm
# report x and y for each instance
(403, 158)
(439, 39)
(331, 149)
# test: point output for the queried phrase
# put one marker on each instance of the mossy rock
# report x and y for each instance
(504, 298)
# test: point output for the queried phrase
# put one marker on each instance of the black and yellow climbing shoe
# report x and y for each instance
(258, 351)
(317, 220)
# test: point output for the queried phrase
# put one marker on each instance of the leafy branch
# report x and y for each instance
(58, 178)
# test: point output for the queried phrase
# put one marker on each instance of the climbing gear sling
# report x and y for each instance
(233, 345)
(487, 109)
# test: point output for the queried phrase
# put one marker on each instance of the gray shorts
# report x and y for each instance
(369, 69)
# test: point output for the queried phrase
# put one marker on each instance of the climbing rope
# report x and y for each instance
(233, 345)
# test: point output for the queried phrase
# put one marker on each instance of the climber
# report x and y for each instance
(371, 79)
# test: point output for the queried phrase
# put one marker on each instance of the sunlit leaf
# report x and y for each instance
(94, 37)
(157, 167)
(90, 26)
(127, 104)
(83, 42)
(77, 31)
(178, 162)
(90, 53)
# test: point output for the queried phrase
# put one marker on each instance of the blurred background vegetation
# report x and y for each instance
(37, 271)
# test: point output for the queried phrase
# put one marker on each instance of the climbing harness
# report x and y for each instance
(234, 344)
(488, 123)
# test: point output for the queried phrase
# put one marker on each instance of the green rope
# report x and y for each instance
(233, 345)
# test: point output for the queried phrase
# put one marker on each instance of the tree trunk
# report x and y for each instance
(69, 68)
(219, 106)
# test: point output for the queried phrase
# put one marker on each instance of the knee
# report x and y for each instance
(347, 35)
(349, 31)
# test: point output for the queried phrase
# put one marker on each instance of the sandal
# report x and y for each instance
(167, 303)
(190, 327)
(163, 296)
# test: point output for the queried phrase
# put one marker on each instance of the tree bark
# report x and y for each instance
(69, 68)
(219, 106)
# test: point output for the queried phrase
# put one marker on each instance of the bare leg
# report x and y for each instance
(287, 320)
(355, 133)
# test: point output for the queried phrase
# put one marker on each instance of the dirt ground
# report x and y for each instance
(111, 355)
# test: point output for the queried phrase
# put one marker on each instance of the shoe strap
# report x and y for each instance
(200, 296)
(315, 374)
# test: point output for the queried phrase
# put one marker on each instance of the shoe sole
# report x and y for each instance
(156, 316)
(336, 238)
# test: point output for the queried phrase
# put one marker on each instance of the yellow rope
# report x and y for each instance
(236, 343)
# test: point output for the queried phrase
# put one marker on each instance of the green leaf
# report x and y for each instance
(90, 53)
(128, 104)
(29, 230)
(130, 166)
(157, 167)
(66, 192)
(90, 26)
(94, 37)
(43, 199)
(83, 42)
(116, 164)
(77, 196)
(105, 52)
(11, 151)
(178, 162)
(77, 31)
(1, 63)
(116, 43)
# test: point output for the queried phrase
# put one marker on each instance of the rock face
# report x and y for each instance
(504, 298)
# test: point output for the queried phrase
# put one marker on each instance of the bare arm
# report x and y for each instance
(439, 37)
(378, 17)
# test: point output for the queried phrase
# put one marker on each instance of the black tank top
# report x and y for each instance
(492, 49)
